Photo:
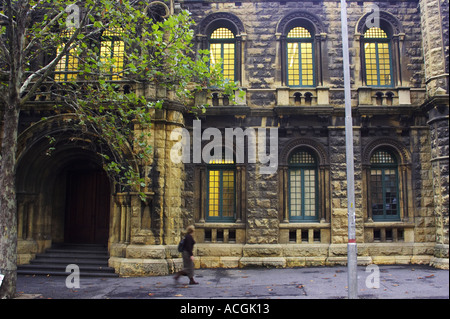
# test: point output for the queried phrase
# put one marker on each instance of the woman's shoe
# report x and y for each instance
(192, 282)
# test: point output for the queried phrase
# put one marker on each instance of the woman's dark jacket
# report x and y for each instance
(189, 243)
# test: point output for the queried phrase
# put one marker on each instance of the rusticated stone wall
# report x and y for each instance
(143, 235)
(262, 203)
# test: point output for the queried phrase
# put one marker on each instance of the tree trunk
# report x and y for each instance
(8, 204)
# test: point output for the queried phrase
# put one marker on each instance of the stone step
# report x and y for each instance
(84, 247)
(62, 268)
(77, 251)
(66, 261)
(75, 255)
(92, 261)
(61, 273)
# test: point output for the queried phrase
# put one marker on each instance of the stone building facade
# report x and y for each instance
(297, 215)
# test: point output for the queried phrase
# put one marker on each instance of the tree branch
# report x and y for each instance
(39, 36)
(45, 71)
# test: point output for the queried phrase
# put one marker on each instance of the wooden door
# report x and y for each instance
(87, 207)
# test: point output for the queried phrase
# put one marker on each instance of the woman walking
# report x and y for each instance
(188, 257)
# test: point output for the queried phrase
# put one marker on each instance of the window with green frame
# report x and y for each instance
(377, 54)
(384, 196)
(222, 47)
(303, 190)
(300, 57)
(221, 178)
(66, 68)
(112, 53)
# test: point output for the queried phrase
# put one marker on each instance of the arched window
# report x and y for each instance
(67, 68)
(222, 47)
(300, 57)
(377, 56)
(221, 197)
(223, 35)
(303, 50)
(384, 190)
(112, 54)
(303, 192)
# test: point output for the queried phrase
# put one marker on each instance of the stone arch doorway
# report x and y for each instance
(63, 197)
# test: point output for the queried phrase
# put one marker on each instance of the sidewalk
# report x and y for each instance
(395, 282)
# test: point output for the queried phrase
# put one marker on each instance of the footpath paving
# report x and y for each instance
(375, 282)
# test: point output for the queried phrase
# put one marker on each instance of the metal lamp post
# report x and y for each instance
(351, 245)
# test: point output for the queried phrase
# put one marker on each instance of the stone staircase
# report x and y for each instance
(92, 261)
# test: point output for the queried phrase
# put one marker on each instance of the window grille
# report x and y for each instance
(221, 190)
(66, 68)
(112, 53)
(384, 195)
(303, 194)
(377, 58)
(300, 57)
(222, 46)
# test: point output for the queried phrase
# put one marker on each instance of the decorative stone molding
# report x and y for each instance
(207, 23)
(303, 15)
(396, 25)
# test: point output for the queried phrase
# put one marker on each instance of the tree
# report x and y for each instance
(79, 47)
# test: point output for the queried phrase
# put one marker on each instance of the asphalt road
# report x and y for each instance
(378, 282)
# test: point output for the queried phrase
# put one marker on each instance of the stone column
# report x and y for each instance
(438, 114)
(170, 176)
(434, 24)
(435, 31)
(121, 220)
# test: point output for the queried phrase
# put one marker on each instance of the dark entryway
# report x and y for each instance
(87, 207)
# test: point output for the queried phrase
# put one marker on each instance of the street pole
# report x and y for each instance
(351, 245)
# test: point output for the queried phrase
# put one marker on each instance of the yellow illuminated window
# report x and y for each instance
(299, 32)
(112, 54)
(221, 190)
(300, 64)
(223, 50)
(376, 33)
(214, 192)
(377, 58)
(66, 69)
(222, 33)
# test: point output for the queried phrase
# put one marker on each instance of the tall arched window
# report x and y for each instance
(223, 35)
(303, 192)
(384, 192)
(67, 68)
(377, 55)
(112, 53)
(221, 197)
(300, 57)
(222, 46)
